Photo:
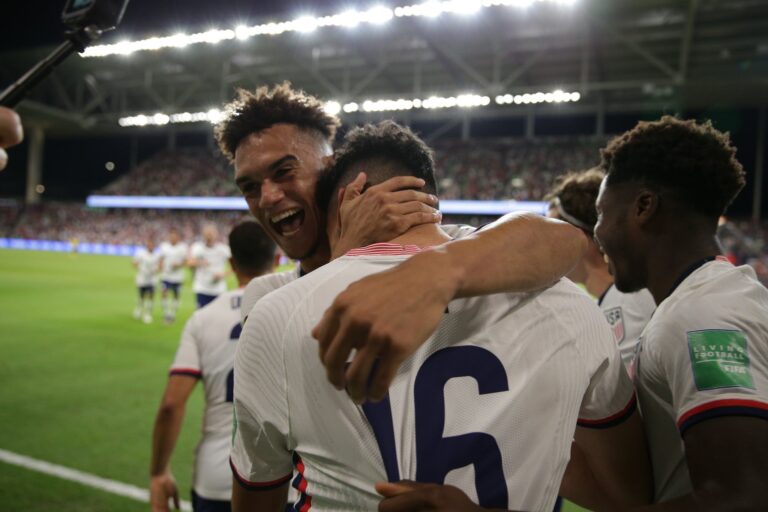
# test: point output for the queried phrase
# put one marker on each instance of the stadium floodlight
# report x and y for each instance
(376, 15)
(333, 107)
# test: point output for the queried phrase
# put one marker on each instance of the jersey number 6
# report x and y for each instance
(436, 455)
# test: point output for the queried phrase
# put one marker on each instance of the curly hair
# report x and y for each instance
(387, 149)
(252, 112)
(575, 194)
(694, 163)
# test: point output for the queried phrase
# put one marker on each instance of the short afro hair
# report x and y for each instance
(693, 162)
(252, 112)
(575, 194)
(252, 250)
(386, 149)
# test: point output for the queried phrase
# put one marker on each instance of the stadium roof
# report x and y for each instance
(628, 56)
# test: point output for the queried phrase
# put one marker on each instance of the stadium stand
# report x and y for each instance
(181, 172)
(68, 221)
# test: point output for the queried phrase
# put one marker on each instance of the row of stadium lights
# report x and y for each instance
(334, 107)
(378, 15)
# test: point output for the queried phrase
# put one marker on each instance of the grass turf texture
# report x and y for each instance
(80, 380)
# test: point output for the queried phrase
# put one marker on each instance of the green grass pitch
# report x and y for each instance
(80, 380)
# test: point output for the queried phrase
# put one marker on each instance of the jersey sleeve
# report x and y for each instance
(715, 369)
(610, 395)
(187, 360)
(260, 456)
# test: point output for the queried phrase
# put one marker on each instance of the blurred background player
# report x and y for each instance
(338, 447)
(147, 264)
(702, 363)
(174, 257)
(206, 352)
(209, 259)
(573, 200)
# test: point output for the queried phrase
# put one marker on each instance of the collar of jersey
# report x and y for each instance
(385, 249)
(693, 268)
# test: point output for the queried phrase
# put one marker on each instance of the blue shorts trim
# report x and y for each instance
(200, 504)
(169, 285)
(203, 299)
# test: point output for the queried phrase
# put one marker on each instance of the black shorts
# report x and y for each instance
(200, 504)
(146, 290)
(170, 285)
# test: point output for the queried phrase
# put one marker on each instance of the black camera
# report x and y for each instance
(101, 14)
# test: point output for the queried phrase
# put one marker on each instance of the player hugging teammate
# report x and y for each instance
(465, 374)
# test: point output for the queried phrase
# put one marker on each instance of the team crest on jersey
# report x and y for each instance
(616, 320)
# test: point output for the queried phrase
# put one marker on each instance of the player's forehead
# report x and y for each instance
(258, 152)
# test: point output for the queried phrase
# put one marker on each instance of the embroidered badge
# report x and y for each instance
(720, 359)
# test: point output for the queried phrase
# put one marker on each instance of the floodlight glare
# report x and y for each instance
(332, 107)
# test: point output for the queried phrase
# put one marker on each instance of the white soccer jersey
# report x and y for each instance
(627, 314)
(174, 259)
(703, 354)
(489, 403)
(215, 262)
(207, 351)
(262, 285)
(148, 265)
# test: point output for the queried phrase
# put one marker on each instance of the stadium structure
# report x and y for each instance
(482, 81)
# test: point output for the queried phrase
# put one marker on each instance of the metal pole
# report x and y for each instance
(757, 199)
(35, 164)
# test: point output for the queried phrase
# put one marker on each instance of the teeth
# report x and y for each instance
(284, 215)
(605, 257)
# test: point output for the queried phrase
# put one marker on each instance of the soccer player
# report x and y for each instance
(174, 254)
(209, 259)
(702, 365)
(573, 200)
(465, 408)
(146, 261)
(206, 352)
(279, 140)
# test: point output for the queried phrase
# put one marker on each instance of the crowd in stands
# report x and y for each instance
(181, 172)
(75, 222)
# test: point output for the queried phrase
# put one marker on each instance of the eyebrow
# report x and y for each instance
(274, 165)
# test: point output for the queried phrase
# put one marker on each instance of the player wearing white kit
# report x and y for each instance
(146, 261)
(339, 449)
(702, 365)
(573, 200)
(174, 253)
(209, 259)
(206, 352)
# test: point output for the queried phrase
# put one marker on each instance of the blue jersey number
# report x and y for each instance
(234, 335)
(436, 455)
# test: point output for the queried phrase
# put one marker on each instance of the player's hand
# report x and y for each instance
(11, 133)
(382, 212)
(385, 317)
(408, 496)
(161, 489)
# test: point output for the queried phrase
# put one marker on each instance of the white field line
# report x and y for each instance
(73, 475)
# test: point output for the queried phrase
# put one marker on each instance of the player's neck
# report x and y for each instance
(425, 235)
(598, 280)
(672, 256)
(320, 257)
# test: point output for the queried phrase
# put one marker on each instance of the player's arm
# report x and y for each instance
(383, 212)
(11, 133)
(272, 500)
(409, 496)
(609, 468)
(166, 432)
(387, 316)
(728, 464)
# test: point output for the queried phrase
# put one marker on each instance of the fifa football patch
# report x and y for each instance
(720, 359)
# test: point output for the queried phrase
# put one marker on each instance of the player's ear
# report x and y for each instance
(646, 204)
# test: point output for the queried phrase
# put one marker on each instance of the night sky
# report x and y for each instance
(75, 167)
